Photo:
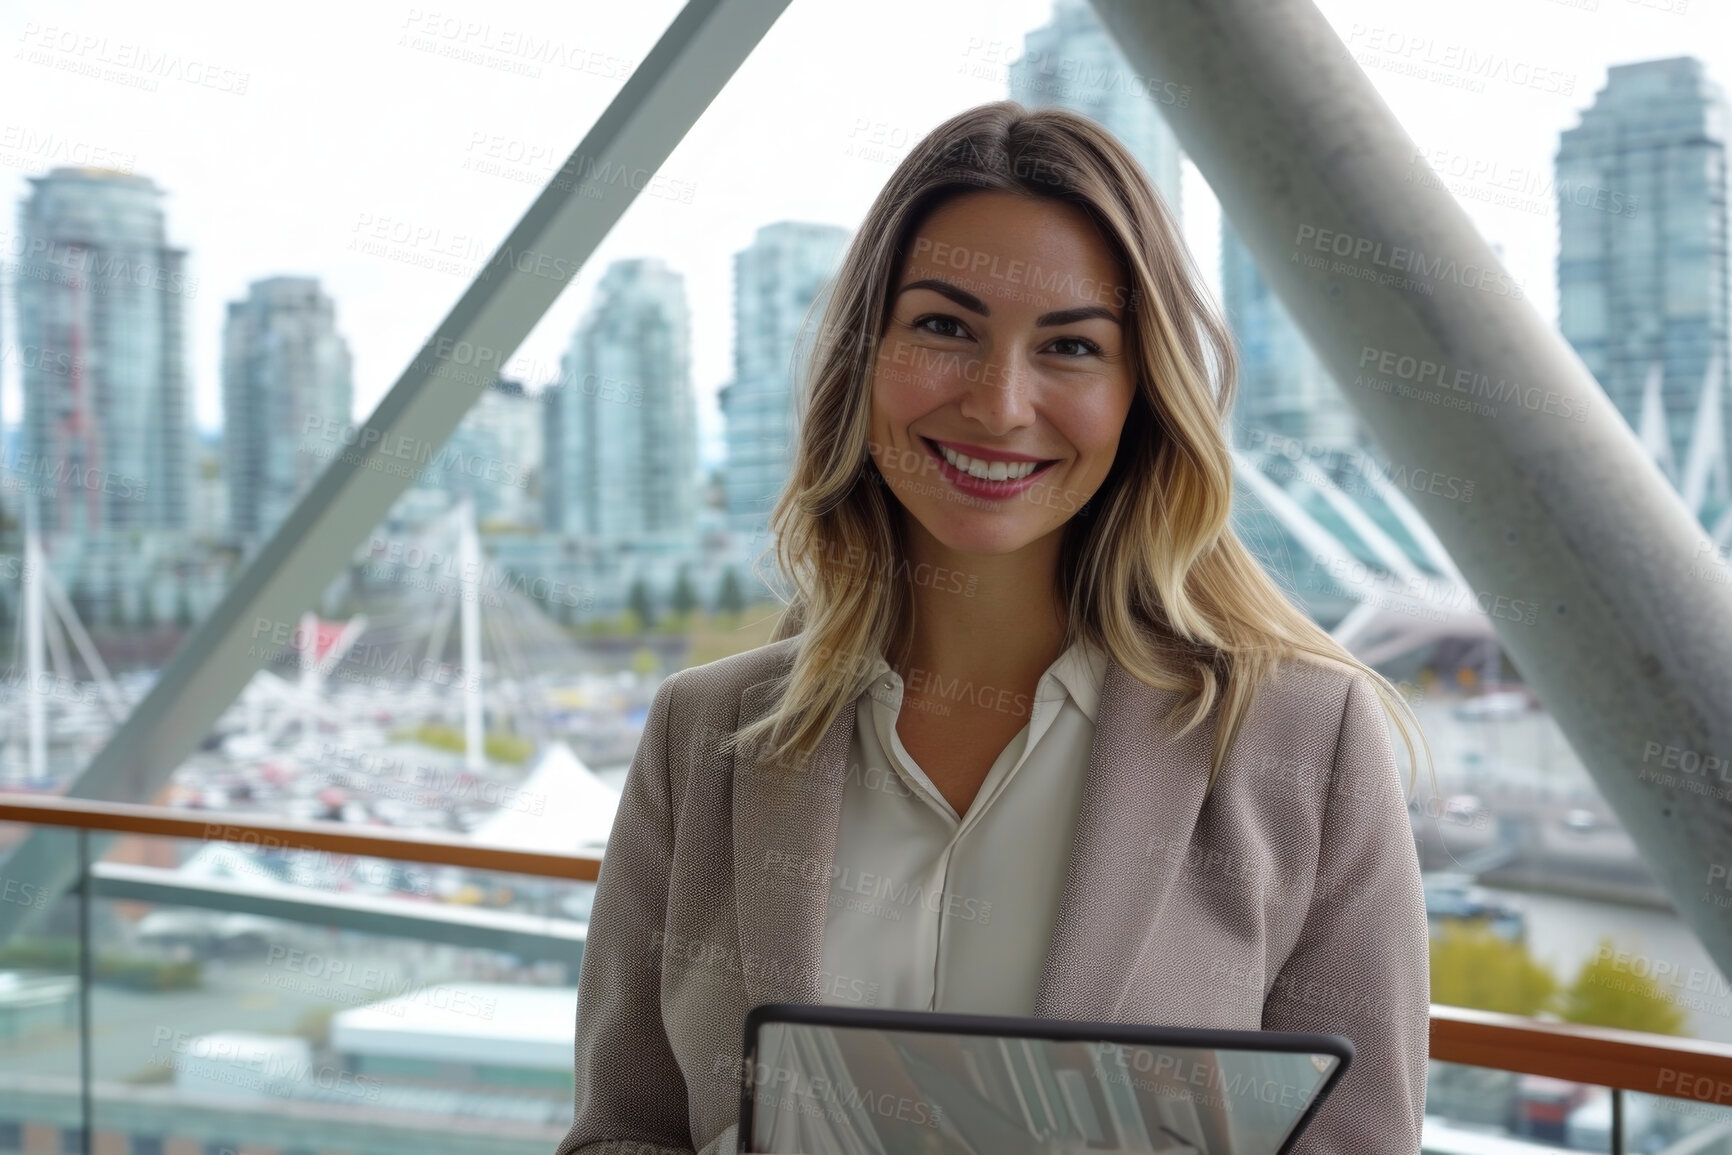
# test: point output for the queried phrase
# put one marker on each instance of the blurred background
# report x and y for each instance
(228, 237)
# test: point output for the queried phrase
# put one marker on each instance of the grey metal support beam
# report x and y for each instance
(703, 46)
(1591, 568)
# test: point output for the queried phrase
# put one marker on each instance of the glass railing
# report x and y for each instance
(214, 984)
(1501, 1083)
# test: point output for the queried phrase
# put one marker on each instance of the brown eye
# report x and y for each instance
(941, 320)
(1086, 347)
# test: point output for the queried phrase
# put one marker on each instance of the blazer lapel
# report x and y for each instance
(1142, 795)
(785, 825)
(1141, 798)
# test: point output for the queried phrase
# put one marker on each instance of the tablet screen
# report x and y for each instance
(820, 1089)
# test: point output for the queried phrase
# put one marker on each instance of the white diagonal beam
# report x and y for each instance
(701, 49)
(1628, 648)
(1707, 451)
(1383, 547)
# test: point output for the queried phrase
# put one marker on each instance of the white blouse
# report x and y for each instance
(931, 910)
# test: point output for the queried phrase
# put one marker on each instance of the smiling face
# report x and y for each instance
(1002, 384)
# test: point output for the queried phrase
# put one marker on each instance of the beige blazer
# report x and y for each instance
(1291, 900)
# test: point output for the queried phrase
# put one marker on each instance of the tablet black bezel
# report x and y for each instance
(1056, 1030)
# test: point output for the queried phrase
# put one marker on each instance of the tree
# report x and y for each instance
(183, 616)
(1471, 966)
(730, 599)
(685, 599)
(1608, 994)
(146, 609)
(640, 604)
(83, 604)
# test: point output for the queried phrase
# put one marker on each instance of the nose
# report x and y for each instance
(1000, 397)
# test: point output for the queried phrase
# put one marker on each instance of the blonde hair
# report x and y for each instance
(1156, 575)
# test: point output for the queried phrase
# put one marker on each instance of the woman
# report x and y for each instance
(1037, 735)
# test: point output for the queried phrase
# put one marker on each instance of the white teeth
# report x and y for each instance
(989, 471)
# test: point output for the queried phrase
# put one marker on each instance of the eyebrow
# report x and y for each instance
(975, 305)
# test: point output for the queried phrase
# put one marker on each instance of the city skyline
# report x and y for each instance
(777, 277)
(697, 213)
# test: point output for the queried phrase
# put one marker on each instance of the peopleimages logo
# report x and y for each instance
(42, 149)
(52, 472)
(879, 886)
(1530, 189)
(22, 893)
(1018, 272)
(1417, 372)
(253, 1067)
(415, 455)
(1405, 259)
(96, 268)
(135, 65)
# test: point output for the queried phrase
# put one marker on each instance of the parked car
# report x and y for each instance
(1544, 1106)
(1452, 896)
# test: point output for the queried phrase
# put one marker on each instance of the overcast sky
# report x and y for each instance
(280, 138)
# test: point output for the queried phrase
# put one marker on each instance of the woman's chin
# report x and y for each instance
(983, 533)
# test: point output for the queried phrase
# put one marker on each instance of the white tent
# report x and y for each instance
(561, 808)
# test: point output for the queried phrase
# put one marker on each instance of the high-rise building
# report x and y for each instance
(287, 388)
(778, 282)
(107, 433)
(1284, 391)
(1642, 188)
(621, 422)
(1072, 62)
(494, 455)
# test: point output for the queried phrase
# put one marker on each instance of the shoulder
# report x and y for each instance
(1314, 749)
(1314, 696)
(727, 678)
(697, 708)
(1309, 722)
(1339, 720)
(708, 696)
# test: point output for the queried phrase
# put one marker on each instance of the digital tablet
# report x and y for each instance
(827, 1080)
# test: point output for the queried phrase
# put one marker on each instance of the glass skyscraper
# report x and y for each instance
(287, 389)
(494, 455)
(107, 433)
(777, 280)
(1284, 390)
(1072, 62)
(621, 423)
(1642, 190)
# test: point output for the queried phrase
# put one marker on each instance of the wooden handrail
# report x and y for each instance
(329, 837)
(1633, 1060)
